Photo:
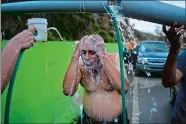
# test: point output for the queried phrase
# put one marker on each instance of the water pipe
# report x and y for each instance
(152, 11)
(113, 10)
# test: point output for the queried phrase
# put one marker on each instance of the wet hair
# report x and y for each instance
(96, 40)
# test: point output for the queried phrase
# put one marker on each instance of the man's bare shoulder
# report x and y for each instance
(113, 56)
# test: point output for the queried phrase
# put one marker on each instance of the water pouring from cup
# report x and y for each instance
(41, 26)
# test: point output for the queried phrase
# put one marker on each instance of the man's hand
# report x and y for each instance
(24, 39)
(104, 59)
(99, 46)
(173, 35)
(77, 49)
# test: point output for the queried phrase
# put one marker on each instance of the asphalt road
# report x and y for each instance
(147, 101)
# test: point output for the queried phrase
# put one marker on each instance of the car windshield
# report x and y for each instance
(150, 46)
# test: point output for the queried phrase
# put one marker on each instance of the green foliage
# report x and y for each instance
(72, 26)
(102, 33)
(96, 27)
(106, 36)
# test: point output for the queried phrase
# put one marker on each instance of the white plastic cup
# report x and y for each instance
(41, 26)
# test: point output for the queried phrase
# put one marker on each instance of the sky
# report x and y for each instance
(150, 27)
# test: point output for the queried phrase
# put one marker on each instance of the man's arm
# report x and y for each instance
(113, 71)
(73, 74)
(171, 75)
(10, 54)
(9, 57)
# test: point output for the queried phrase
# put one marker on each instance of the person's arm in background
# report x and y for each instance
(10, 54)
(73, 74)
(172, 75)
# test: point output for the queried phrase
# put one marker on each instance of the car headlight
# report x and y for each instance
(142, 60)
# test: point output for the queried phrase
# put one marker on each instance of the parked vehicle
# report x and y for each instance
(150, 56)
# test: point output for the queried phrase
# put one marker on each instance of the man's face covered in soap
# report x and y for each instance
(91, 46)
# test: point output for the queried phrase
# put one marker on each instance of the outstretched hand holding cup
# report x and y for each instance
(24, 39)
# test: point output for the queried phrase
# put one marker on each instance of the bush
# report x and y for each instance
(83, 24)
(107, 38)
(95, 27)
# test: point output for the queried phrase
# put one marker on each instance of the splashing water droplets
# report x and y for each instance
(143, 61)
(130, 66)
(149, 90)
(53, 28)
(154, 109)
(127, 34)
(129, 72)
(154, 104)
(150, 110)
(148, 74)
(81, 112)
(134, 52)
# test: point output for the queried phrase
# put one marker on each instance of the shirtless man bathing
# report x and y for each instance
(99, 75)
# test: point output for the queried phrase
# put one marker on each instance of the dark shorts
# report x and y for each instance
(88, 120)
